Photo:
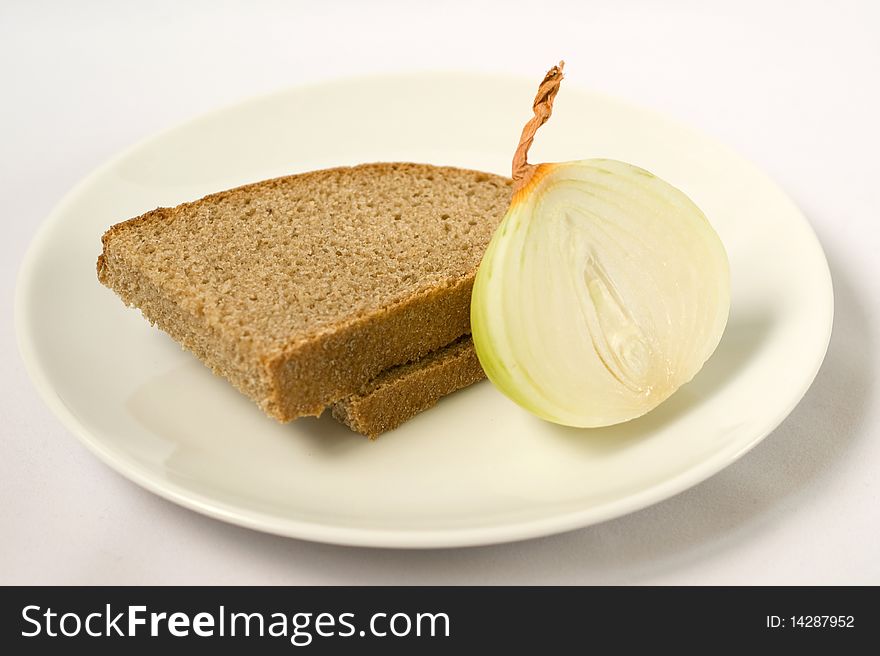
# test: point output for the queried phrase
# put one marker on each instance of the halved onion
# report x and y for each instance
(603, 290)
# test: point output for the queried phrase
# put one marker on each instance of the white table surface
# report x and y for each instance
(792, 86)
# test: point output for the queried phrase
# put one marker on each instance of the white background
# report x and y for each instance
(795, 87)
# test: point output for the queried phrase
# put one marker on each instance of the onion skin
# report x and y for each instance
(603, 290)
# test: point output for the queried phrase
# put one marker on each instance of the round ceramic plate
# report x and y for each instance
(475, 469)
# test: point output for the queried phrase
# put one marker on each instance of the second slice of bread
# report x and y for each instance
(402, 392)
(300, 290)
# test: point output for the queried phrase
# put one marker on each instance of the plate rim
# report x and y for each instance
(380, 537)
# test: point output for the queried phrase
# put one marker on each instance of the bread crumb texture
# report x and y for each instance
(302, 289)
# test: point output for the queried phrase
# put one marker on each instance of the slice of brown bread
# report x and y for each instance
(301, 289)
(402, 392)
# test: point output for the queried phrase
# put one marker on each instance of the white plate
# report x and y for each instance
(476, 469)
